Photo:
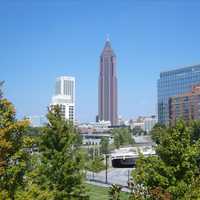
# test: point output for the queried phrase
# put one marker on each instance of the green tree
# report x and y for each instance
(117, 140)
(1, 92)
(122, 137)
(157, 132)
(114, 192)
(138, 131)
(96, 164)
(34, 131)
(195, 131)
(34, 191)
(104, 145)
(175, 167)
(61, 162)
(138, 192)
(193, 191)
(14, 156)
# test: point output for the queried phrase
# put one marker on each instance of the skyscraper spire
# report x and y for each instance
(107, 38)
(107, 50)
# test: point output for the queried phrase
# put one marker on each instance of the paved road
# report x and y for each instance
(115, 176)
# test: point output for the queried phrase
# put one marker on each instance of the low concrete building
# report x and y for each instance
(90, 139)
(145, 123)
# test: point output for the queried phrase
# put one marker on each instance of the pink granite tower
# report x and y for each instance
(108, 106)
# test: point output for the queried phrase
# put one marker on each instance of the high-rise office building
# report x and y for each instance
(65, 97)
(149, 123)
(185, 106)
(172, 83)
(108, 86)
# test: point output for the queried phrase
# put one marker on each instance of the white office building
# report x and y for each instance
(149, 123)
(145, 123)
(65, 97)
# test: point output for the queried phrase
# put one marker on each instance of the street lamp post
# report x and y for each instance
(107, 156)
(128, 177)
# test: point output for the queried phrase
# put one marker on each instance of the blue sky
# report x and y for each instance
(40, 40)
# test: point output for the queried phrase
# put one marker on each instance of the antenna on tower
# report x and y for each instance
(107, 37)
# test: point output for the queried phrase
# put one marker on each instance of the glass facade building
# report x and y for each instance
(172, 83)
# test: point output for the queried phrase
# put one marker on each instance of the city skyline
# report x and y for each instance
(40, 42)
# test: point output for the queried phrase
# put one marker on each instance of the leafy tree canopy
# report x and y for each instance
(138, 131)
(104, 145)
(176, 165)
(122, 136)
(13, 150)
(61, 162)
(157, 132)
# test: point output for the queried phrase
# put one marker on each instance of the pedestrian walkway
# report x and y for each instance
(119, 176)
(97, 183)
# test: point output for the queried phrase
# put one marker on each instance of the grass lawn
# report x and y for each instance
(101, 193)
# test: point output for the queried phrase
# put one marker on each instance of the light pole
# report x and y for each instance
(128, 176)
(107, 156)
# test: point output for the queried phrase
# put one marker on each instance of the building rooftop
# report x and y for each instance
(181, 70)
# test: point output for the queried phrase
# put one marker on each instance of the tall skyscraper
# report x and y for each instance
(108, 103)
(65, 97)
(172, 83)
